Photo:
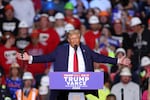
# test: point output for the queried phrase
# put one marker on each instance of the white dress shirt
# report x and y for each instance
(81, 62)
(131, 91)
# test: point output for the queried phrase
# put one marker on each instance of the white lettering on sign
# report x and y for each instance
(76, 81)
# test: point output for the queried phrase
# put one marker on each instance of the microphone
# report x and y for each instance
(122, 94)
(75, 47)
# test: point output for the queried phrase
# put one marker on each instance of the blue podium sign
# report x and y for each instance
(76, 80)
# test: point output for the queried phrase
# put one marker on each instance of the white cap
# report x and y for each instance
(23, 24)
(93, 20)
(135, 21)
(145, 61)
(27, 76)
(122, 50)
(59, 16)
(69, 27)
(45, 81)
(43, 90)
(51, 18)
(125, 72)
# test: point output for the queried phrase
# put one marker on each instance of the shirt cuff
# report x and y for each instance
(118, 61)
(30, 60)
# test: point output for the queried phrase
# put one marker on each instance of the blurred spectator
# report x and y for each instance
(92, 36)
(8, 52)
(85, 4)
(80, 11)
(48, 7)
(44, 90)
(36, 21)
(111, 97)
(104, 17)
(106, 88)
(14, 81)
(27, 92)
(69, 18)
(59, 25)
(141, 41)
(3, 3)
(37, 5)
(9, 23)
(4, 92)
(35, 48)
(47, 36)
(120, 52)
(23, 39)
(126, 89)
(68, 27)
(102, 93)
(118, 34)
(59, 5)
(90, 12)
(145, 11)
(145, 64)
(103, 5)
(144, 72)
(51, 21)
(26, 13)
(145, 95)
(148, 24)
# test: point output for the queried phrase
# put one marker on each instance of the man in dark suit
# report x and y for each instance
(63, 57)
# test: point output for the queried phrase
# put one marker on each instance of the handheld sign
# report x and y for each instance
(76, 80)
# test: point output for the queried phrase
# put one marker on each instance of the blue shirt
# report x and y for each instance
(13, 86)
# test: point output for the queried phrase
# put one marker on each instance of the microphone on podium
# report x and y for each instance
(122, 94)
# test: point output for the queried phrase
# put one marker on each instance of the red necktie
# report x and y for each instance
(75, 62)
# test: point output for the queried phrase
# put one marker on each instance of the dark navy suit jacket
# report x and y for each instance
(61, 54)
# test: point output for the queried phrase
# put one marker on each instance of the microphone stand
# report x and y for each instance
(122, 94)
(22, 64)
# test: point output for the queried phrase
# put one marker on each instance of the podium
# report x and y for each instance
(75, 81)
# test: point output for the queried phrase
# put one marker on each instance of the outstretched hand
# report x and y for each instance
(23, 56)
(124, 61)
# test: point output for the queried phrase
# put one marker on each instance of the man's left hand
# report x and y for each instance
(124, 61)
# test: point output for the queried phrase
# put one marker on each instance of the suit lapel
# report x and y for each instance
(84, 56)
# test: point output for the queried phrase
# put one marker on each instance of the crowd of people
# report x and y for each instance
(113, 28)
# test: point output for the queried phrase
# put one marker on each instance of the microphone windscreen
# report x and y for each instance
(75, 47)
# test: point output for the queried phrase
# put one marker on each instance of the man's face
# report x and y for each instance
(68, 12)
(135, 29)
(12, 40)
(94, 27)
(28, 83)
(9, 13)
(74, 39)
(117, 27)
(111, 98)
(125, 79)
(44, 22)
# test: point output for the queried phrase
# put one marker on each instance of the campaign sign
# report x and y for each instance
(76, 80)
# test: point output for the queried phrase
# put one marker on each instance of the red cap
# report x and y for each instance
(35, 34)
(7, 7)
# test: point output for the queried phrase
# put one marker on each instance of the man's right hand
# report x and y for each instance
(23, 56)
